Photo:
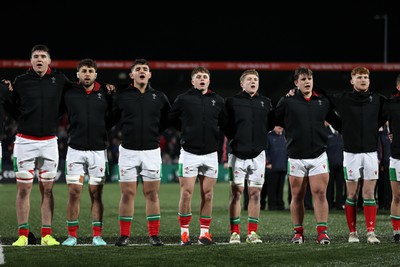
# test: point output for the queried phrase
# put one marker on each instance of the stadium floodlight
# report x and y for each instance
(384, 17)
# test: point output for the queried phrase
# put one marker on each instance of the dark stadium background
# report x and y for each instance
(297, 32)
(286, 31)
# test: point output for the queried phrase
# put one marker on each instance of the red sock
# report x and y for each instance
(97, 230)
(205, 222)
(321, 229)
(184, 220)
(46, 230)
(370, 217)
(235, 228)
(252, 226)
(351, 216)
(125, 226)
(153, 227)
(395, 223)
(73, 230)
(299, 229)
(235, 225)
(23, 231)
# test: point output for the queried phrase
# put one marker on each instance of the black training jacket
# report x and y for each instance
(89, 116)
(392, 111)
(199, 118)
(361, 115)
(247, 125)
(142, 117)
(38, 99)
(303, 122)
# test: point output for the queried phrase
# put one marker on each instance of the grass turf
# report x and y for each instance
(275, 228)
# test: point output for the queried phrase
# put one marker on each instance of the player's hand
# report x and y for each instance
(291, 92)
(8, 82)
(111, 88)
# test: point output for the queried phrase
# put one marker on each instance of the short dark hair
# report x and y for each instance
(40, 47)
(88, 62)
(140, 61)
(199, 69)
(302, 71)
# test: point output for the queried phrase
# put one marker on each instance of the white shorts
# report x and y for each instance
(394, 169)
(308, 167)
(252, 170)
(357, 165)
(81, 162)
(191, 165)
(42, 154)
(133, 163)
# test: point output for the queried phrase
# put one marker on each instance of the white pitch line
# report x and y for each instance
(1, 255)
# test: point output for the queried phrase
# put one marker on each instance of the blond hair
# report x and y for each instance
(248, 72)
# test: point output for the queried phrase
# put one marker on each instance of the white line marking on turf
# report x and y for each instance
(1, 255)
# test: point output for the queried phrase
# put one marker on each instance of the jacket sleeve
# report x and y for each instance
(268, 158)
(116, 112)
(333, 118)
(15, 101)
(383, 117)
(63, 105)
(174, 114)
(225, 122)
(109, 116)
(164, 123)
(271, 118)
(279, 113)
(7, 102)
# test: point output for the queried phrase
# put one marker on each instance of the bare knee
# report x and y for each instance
(396, 199)
(47, 192)
(208, 196)
(151, 196)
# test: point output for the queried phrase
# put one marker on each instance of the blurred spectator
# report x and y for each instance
(170, 150)
(276, 169)
(336, 191)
